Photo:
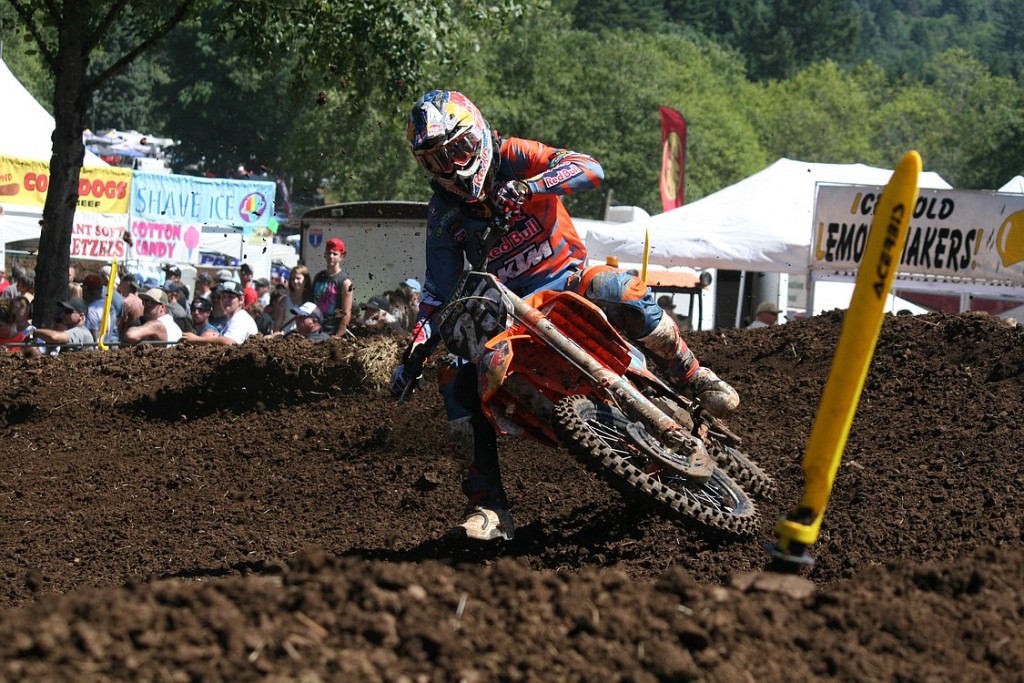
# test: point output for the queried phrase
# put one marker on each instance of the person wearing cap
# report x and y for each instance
(74, 332)
(308, 322)
(201, 310)
(94, 291)
(157, 324)
(332, 290)
(271, 318)
(766, 315)
(407, 303)
(378, 315)
(249, 295)
(262, 287)
(240, 325)
(180, 314)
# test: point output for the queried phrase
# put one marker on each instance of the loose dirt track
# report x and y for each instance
(266, 513)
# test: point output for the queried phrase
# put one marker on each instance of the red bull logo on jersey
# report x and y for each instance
(562, 175)
(517, 238)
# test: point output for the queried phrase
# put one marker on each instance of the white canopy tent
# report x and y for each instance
(762, 223)
(1016, 184)
(27, 129)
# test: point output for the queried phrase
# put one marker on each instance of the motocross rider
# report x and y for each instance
(475, 172)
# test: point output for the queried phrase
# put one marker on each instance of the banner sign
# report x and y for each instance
(101, 189)
(168, 212)
(961, 234)
(673, 158)
(98, 236)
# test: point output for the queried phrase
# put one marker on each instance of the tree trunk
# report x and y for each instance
(69, 107)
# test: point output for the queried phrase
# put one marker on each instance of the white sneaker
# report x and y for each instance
(716, 396)
(487, 524)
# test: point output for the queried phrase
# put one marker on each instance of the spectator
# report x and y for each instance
(157, 324)
(378, 316)
(272, 318)
(73, 332)
(201, 310)
(767, 314)
(10, 336)
(240, 325)
(172, 273)
(133, 309)
(23, 281)
(182, 318)
(94, 287)
(204, 283)
(407, 302)
(262, 287)
(300, 290)
(225, 275)
(308, 322)
(245, 273)
(22, 310)
(332, 290)
(4, 283)
(72, 274)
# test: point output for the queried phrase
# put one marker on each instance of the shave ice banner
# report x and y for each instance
(962, 234)
(167, 212)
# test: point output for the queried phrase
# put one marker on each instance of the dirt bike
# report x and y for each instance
(552, 368)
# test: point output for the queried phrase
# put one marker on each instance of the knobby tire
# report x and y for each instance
(594, 433)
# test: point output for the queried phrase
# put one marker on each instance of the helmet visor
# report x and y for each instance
(456, 153)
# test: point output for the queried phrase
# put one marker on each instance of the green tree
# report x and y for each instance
(360, 43)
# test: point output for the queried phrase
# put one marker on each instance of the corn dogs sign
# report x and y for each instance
(953, 234)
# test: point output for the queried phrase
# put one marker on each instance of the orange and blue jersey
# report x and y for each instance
(541, 248)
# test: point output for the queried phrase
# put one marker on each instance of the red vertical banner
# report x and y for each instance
(673, 158)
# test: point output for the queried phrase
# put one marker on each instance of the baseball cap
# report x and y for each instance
(379, 303)
(231, 287)
(155, 294)
(335, 244)
(767, 307)
(172, 269)
(202, 304)
(133, 280)
(225, 276)
(308, 310)
(151, 282)
(261, 282)
(75, 303)
(413, 284)
(204, 277)
(171, 287)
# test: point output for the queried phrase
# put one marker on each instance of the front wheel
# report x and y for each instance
(598, 435)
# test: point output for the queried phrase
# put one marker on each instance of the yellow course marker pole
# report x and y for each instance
(861, 326)
(105, 322)
(647, 253)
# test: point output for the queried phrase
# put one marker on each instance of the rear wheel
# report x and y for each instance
(598, 435)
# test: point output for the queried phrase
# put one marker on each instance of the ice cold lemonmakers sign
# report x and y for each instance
(953, 233)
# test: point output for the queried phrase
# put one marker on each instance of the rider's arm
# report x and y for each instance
(550, 170)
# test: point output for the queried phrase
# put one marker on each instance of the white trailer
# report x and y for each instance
(384, 242)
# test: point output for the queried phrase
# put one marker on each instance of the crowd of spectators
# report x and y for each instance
(227, 309)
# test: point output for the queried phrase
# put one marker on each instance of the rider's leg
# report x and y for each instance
(632, 309)
(473, 443)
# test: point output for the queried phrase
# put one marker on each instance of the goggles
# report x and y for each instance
(456, 153)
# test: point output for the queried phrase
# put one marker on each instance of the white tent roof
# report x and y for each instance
(762, 223)
(1015, 185)
(27, 129)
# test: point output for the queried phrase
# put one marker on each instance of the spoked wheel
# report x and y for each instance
(601, 438)
(743, 470)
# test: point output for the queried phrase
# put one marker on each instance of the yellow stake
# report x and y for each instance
(647, 253)
(105, 322)
(862, 324)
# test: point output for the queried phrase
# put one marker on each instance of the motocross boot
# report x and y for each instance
(665, 342)
(472, 441)
(487, 523)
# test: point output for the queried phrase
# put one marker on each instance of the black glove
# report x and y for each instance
(509, 197)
